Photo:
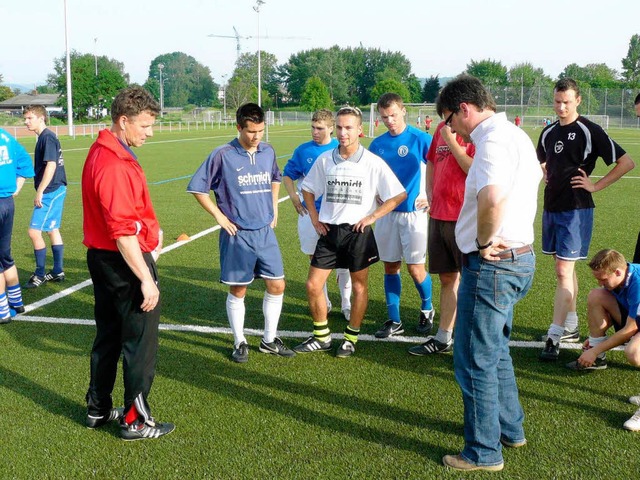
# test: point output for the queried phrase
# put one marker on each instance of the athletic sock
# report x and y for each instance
(41, 258)
(351, 334)
(392, 291)
(555, 332)
(4, 306)
(571, 322)
(424, 289)
(444, 336)
(593, 341)
(131, 415)
(235, 314)
(58, 256)
(15, 295)
(344, 283)
(271, 308)
(321, 331)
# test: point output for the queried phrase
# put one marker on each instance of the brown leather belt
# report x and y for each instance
(512, 253)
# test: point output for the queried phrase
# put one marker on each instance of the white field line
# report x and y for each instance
(86, 283)
(282, 333)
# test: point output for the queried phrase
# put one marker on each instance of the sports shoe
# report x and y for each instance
(569, 336)
(312, 344)
(599, 364)
(99, 420)
(54, 277)
(277, 347)
(5, 320)
(347, 313)
(389, 328)
(458, 463)
(635, 400)
(35, 281)
(241, 353)
(431, 346)
(17, 309)
(633, 423)
(425, 322)
(144, 430)
(346, 349)
(550, 352)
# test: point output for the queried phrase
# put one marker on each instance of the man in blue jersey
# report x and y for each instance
(322, 125)
(403, 233)
(615, 305)
(245, 180)
(567, 151)
(15, 166)
(50, 183)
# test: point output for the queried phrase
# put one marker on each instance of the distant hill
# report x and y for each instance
(22, 88)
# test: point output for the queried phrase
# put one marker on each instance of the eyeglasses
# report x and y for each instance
(447, 122)
(350, 110)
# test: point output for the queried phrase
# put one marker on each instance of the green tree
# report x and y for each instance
(185, 80)
(490, 72)
(631, 63)
(415, 89)
(316, 96)
(526, 75)
(389, 84)
(431, 89)
(245, 78)
(5, 92)
(88, 88)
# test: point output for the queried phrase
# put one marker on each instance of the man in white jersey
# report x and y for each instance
(322, 126)
(349, 179)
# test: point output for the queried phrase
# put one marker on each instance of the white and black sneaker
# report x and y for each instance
(277, 347)
(35, 281)
(346, 349)
(240, 353)
(425, 321)
(144, 430)
(312, 344)
(568, 336)
(95, 421)
(431, 346)
(54, 277)
(389, 328)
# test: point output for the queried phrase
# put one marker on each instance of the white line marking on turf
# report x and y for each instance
(86, 283)
(283, 333)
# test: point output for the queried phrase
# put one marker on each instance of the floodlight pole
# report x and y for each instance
(160, 67)
(224, 99)
(69, 99)
(95, 53)
(259, 3)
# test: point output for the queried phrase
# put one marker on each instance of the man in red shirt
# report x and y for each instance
(448, 162)
(124, 240)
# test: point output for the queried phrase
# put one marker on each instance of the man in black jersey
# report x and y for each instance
(567, 151)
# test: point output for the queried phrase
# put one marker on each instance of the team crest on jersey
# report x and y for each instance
(403, 150)
(558, 147)
(309, 160)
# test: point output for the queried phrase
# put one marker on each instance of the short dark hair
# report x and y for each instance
(607, 261)
(637, 100)
(324, 115)
(464, 89)
(38, 110)
(388, 99)
(132, 101)
(249, 112)
(565, 84)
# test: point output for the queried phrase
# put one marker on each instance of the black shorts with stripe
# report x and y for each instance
(341, 247)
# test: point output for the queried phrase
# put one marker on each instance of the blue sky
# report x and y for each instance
(438, 37)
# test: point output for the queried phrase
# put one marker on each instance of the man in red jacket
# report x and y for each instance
(124, 239)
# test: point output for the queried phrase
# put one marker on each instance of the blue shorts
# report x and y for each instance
(7, 209)
(249, 254)
(49, 216)
(567, 235)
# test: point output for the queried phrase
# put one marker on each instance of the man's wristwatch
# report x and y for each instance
(483, 247)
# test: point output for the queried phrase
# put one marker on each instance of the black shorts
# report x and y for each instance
(341, 247)
(444, 254)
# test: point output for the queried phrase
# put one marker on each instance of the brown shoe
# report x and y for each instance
(509, 444)
(458, 463)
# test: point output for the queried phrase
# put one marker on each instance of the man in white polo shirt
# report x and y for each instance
(494, 232)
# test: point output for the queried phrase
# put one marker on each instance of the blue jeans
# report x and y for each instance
(482, 363)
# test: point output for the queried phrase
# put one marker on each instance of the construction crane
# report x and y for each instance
(239, 37)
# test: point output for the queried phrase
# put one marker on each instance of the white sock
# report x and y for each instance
(271, 308)
(444, 336)
(344, 282)
(571, 322)
(555, 332)
(235, 314)
(593, 341)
